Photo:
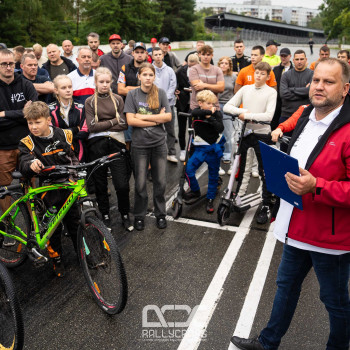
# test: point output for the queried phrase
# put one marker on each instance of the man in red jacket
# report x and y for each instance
(318, 236)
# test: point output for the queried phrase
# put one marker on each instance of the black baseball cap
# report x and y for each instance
(139, 44)
(164, 40)
(272, 42)
(285, 51)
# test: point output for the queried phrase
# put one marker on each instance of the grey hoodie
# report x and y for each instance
(166, 80)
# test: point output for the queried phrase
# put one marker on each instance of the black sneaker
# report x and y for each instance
(161, 222)
(58, 267)
(190, 195)
(210, 206)
(127, 223)
(247, 344)
(263, 215)
(107, 221)
(139, 224)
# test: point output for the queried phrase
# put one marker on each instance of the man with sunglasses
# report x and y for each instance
(15, 93)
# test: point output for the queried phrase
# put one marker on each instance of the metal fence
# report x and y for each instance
(231, 33)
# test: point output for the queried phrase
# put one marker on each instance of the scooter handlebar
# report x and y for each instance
(183, 114)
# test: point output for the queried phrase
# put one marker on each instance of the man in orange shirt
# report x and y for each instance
(246, 75)
(324, 53)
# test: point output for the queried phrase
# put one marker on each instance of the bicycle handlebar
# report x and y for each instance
(103, 160)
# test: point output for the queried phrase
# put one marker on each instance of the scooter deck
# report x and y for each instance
(247, 201)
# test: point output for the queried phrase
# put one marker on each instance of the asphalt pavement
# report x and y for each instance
(188, 285)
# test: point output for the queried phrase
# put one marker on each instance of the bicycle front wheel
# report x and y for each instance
(11, 322)
(102, 266)
(12, 252)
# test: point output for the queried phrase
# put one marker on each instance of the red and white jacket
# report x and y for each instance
(77, 124)
(325, 219)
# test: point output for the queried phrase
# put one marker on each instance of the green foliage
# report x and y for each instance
(137, 20)
(178, 19)
(25, 22)
(316, 22)
(336, 18)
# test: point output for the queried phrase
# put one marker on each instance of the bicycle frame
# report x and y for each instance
(78, 191)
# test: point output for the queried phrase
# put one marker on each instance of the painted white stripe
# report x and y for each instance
(248, 312)
(203, 224)
(212, 296)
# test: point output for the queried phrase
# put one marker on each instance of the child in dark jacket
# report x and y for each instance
(208, 146)
(67, 114)
(47, 145)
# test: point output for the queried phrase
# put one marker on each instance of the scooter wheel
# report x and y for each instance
(177, 209)
(223, 214)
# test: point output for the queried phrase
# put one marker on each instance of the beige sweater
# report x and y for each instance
(258, 104)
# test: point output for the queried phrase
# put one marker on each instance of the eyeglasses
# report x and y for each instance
(7, 64)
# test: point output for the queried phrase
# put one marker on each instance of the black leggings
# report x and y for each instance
(120, 170)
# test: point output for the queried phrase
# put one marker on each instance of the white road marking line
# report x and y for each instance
(201, 319)
(203, 223)
(251, 303)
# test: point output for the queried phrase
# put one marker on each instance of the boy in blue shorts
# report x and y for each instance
(208, 147)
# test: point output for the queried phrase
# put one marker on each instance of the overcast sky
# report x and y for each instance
(312, 4)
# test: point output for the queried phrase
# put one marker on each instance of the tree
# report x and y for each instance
(139, 20)
(316, 22)
(267, 17)
(336, 18)
(178, 19)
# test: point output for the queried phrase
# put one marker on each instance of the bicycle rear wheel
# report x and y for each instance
(12, 252)
(102, 266)
(11, 321)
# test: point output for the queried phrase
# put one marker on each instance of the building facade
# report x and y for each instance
(262, 9)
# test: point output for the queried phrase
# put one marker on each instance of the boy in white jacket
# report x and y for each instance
(259, 103)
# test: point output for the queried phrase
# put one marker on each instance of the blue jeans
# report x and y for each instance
(213, 160)
(142, 157)
(332, 272)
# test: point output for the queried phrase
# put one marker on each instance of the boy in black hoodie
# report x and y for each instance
(47, 145)
(208, 146)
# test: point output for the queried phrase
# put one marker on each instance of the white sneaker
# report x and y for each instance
(182, 156)
(255, 174)
(222, 171)
(172, 158)
(229, 171)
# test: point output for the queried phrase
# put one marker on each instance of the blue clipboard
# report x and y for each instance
(276, 165)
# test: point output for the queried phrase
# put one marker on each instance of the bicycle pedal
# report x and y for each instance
(39, 262)
(36, 257)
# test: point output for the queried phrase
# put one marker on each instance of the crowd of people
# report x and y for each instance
(95, 103)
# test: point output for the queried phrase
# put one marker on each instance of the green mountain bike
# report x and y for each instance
(22, 234)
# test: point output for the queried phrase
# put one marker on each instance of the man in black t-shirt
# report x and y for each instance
(170, 59)
(239, 60)
(57, 64)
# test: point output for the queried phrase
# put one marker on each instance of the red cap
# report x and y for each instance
(115, 37)
(153, 40)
